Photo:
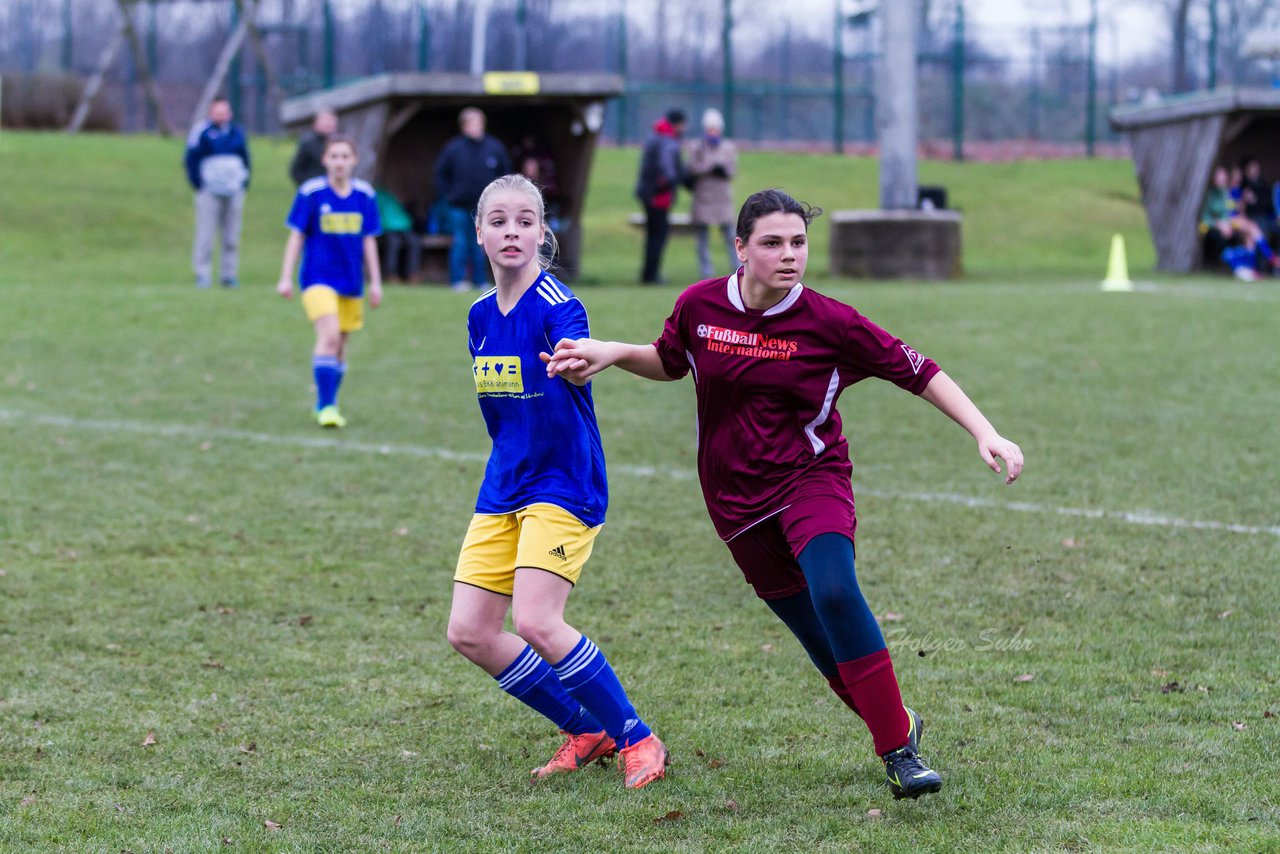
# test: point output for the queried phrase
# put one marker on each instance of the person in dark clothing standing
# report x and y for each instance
(307, 160)
(464, 168)
(1257, 199)
(660, 175)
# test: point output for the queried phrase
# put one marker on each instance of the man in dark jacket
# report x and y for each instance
(217, 161)
(307, 160)
(660, 175)
(464, 168)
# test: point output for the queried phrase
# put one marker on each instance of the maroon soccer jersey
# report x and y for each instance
(767, 385)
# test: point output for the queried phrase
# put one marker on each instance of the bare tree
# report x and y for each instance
(1178, 10)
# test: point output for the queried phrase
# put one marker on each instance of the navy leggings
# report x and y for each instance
(831, 619)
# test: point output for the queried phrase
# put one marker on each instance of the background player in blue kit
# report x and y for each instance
(541, 504)
(333, 225)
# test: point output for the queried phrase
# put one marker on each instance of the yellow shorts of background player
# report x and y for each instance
(542, 536)
(321, 300)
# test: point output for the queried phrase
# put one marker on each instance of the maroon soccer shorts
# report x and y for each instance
(766, 552)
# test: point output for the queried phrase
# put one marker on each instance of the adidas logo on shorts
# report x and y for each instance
(558, 551)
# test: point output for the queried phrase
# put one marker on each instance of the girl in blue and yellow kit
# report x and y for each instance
(333, 225)
(541, 504)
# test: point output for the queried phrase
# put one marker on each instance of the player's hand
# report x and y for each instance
(994, 447)
(375, 294)
(284, 288)
(576, 361)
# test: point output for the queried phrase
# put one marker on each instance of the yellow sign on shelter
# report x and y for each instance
(511, 83)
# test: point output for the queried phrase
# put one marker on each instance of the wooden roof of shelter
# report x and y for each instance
(1176, 143)
(401, 121)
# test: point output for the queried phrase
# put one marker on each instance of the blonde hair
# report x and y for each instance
(520, 184)
(341, 139)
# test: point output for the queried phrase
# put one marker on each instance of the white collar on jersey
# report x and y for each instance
(735, 297)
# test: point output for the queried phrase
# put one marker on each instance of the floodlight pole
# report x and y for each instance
(957, 87)
(233, 75)
(66, 36)
(479, 36)
(1212, 82)
(424, 36)
(1091, 100)
(153, 56)
(898, 120)
(837, 87)
(328, 40)
(726, 48)
(622, 70)
(522, 36)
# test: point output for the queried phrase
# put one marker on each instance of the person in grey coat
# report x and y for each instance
(217, 163)
(711, 161)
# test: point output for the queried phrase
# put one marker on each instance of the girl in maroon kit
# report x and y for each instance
(769, 359)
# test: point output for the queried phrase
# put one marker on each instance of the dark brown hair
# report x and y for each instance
(770, 201)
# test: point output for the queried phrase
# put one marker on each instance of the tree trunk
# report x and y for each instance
(95, 82)
(220, 67)
(1181, 79)
(144, 69)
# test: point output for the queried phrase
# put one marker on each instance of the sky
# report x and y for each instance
(1128, 29)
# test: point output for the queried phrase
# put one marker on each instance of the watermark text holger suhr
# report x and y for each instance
(987, 640)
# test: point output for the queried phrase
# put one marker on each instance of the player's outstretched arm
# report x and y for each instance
(374, 268)
(292, 251)
(943, 393)
(580, 360)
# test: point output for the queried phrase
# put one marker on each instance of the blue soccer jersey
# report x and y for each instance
(546, 444)
(335, 228)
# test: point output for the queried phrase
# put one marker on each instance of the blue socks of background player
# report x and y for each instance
(531, 681)
(589, 679)
(327, 371)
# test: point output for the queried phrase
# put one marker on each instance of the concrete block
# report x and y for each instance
(895, 244)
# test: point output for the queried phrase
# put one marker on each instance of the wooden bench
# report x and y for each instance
(433, 260)
(681, 223)
(433, 268)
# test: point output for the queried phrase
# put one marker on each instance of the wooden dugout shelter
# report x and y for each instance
(1178, 141)
(402, 121)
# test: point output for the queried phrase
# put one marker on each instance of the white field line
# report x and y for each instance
(1132, 517)
(1230, 290)
(185, 431)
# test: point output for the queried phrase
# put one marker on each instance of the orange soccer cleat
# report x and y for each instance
(643, 762)
(577, 752)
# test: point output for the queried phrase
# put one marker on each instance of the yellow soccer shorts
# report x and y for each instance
(321, 300)
(542, 536)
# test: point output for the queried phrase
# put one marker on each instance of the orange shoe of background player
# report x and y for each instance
(577, 752)
(643, 762)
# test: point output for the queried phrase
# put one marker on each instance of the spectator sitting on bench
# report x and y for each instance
(1256, 195)
(1230, 236)
(401, 248)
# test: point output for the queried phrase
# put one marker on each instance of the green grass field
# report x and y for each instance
(184, 555)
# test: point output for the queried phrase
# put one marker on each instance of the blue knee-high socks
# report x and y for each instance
(587, 676)
(532, 681)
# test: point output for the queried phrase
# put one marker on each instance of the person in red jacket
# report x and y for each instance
(660, 175)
